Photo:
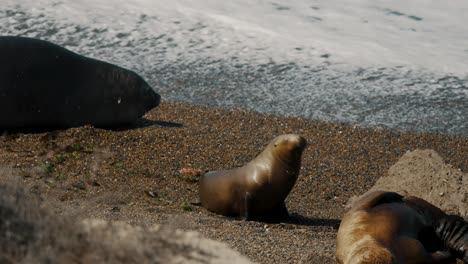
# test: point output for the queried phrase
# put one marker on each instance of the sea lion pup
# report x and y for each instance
(44, 85)
(256, 191)
(453, 230)
(384, 227)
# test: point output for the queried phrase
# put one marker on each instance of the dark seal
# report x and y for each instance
(45, 85)
(257, 190)
(453, 230)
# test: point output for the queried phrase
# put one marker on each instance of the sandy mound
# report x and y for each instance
(32, 234)
(424, 174)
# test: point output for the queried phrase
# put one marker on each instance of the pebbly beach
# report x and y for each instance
(146, 173)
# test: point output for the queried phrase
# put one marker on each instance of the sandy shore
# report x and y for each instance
(133, 174)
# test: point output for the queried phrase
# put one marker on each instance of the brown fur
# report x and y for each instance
(385, 227)
(256, 190)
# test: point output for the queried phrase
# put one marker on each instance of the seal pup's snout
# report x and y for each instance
(296, 141)
(302, 142)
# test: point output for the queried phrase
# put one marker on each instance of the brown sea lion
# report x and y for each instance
(385, 227)
(453, 230)
(256, 191)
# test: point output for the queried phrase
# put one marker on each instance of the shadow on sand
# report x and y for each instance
(298, 219)
(294, 219)
(143, 122)
(140, 123)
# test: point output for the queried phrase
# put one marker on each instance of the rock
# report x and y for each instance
(424, 174)
(33, 234)
(164, 244)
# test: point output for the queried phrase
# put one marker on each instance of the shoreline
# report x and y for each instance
(133, 174)
(308, 119)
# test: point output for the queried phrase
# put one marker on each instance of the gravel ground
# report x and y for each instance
(134, 174)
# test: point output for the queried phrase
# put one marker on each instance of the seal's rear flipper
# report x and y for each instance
(376, 198)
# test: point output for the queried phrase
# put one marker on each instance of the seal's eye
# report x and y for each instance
(276, 144)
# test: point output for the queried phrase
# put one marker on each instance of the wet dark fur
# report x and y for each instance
(45, 85)
(453, 231)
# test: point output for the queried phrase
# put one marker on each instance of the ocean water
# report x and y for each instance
(393, 64)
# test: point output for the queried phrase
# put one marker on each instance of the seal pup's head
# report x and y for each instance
(287, 147)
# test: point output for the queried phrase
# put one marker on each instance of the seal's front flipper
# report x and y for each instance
(277, 214)
(413, 251)
(280, 213)
(376, 198)
(441, 257)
